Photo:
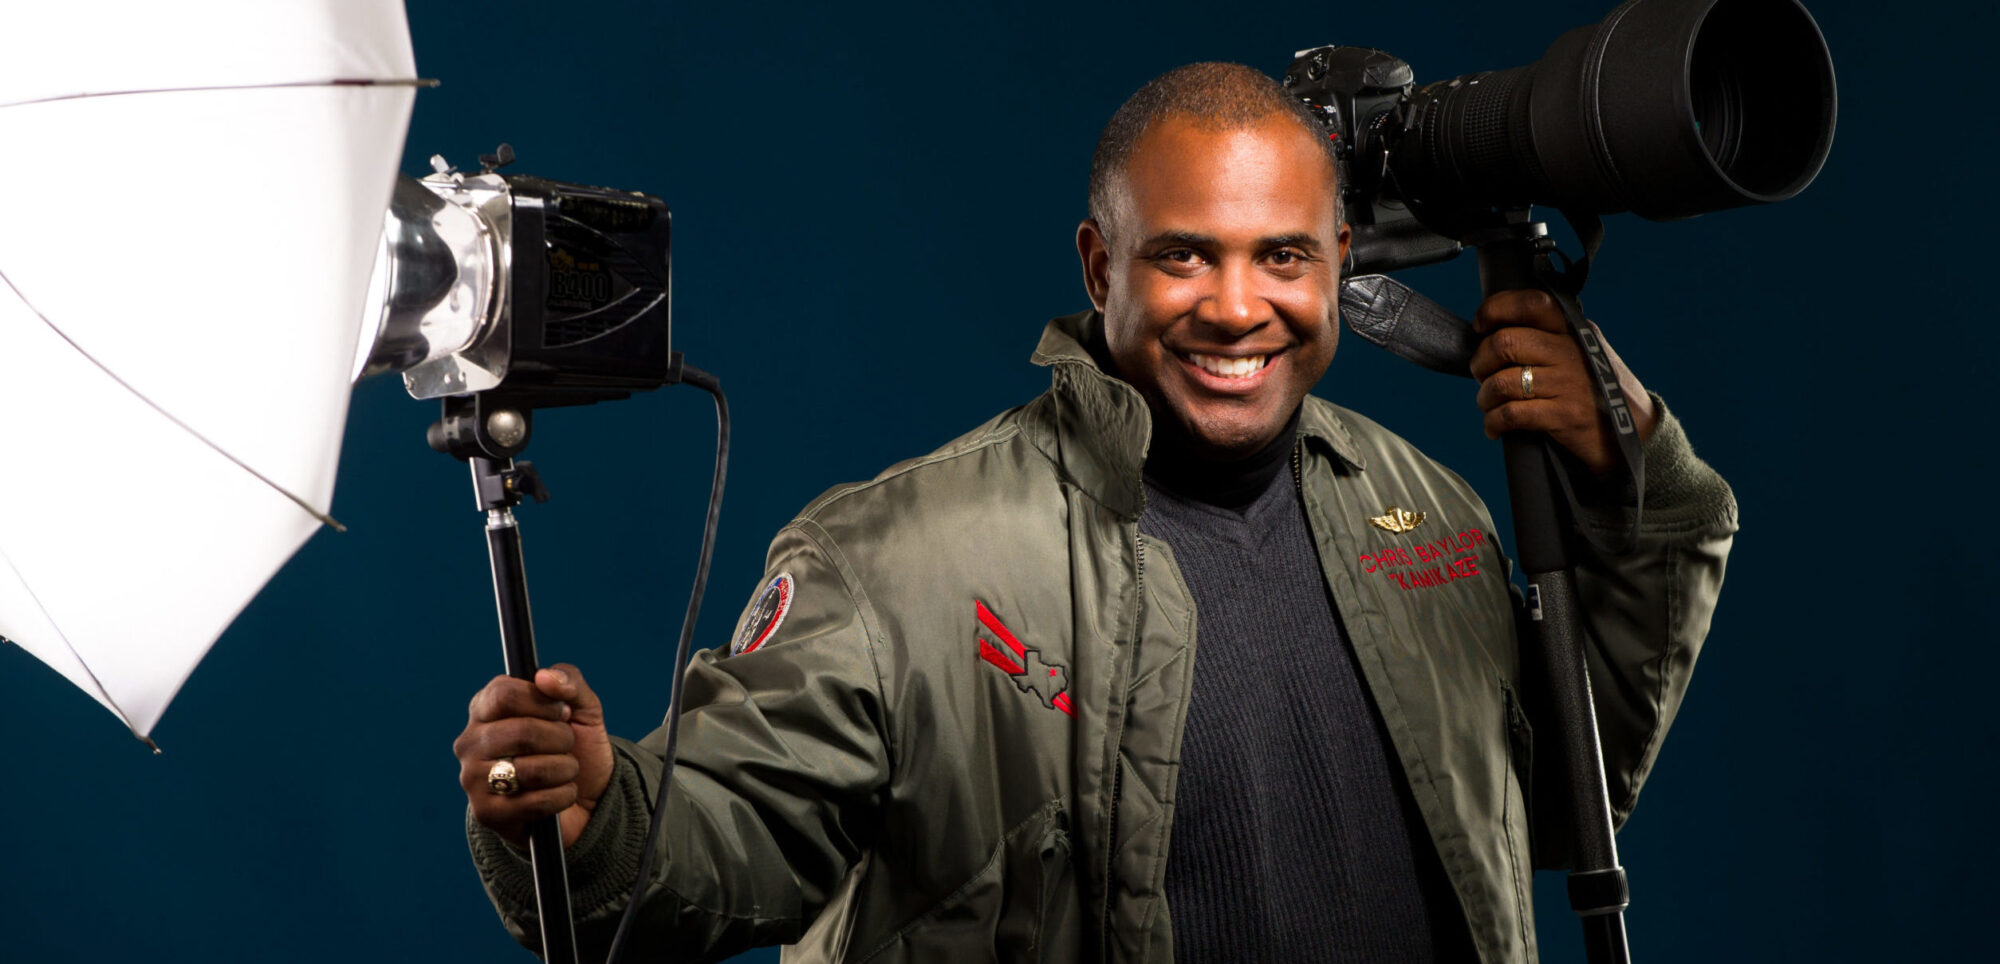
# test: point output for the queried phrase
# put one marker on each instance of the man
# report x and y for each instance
(1127, 672)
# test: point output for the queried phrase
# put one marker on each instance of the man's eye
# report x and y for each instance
(1180, 261)
(1284, 256)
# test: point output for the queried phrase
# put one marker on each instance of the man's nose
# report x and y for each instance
(1233, 302)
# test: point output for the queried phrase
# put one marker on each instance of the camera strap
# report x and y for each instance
(1565, 284)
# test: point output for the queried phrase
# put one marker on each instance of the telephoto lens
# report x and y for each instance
(1667, 108)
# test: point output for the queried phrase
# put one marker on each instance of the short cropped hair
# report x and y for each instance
(1214, 96)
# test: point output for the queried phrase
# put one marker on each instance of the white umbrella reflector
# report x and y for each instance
(195, 193)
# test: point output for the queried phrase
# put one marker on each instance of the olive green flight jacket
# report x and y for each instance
(960, 742)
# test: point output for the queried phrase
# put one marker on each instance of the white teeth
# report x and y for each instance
(1229, 367)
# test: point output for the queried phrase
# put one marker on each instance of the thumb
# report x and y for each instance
(565, 682)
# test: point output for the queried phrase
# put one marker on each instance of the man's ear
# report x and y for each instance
(1094, 249)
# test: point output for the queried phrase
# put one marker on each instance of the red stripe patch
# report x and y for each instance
(997, 658)
(993, 625)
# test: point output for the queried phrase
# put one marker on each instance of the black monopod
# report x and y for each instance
(1665, 108)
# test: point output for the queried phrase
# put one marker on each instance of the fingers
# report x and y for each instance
(1572, 421)
(552, 731)
(548, 787)
(544, 770)
(509, 718)
(1514, 347)
(1526, 330)
(565, 682)
(1544, 382)
(518, 736)
(511, 815)
(1528, 308)
(539, 772)
(1561, 419)
(1527, 333)
(506, 698)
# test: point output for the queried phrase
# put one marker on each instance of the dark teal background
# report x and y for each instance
(873, 217)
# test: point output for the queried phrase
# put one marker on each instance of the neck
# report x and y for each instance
(1174, 464)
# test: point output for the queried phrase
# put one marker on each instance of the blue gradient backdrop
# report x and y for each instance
(873, 216)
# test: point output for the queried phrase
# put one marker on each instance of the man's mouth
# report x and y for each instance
(1231, 368)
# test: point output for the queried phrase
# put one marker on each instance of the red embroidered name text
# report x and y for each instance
(1434, 563)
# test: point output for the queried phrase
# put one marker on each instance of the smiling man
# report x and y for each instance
(1102, 680)
(1214, 257)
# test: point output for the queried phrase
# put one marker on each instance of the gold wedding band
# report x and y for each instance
(1527, 381)
(502, 778)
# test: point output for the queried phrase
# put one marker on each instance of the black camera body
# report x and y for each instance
(1362, 95)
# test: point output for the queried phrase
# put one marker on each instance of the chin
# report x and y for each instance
(1227, 442)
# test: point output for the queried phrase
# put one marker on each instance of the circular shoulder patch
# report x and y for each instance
(766, 616)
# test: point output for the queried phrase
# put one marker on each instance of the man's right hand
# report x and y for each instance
(553, 729)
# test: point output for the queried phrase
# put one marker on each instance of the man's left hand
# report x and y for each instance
(1527, 329)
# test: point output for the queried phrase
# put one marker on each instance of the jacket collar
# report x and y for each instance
(1321, 425)
(1102, 425)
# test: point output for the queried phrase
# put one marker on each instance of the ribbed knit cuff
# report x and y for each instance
(1680, 487)
(602, 865)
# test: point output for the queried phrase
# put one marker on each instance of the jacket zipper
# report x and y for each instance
(1117, 766)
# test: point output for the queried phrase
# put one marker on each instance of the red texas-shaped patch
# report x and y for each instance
(1048, 681)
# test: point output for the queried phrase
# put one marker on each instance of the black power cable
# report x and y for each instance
(712, 385)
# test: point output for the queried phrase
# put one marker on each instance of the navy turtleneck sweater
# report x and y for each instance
(1294, 834)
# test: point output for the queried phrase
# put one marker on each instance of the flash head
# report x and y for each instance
(546, 292)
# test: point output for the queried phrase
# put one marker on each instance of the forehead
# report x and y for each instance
(1265, 178)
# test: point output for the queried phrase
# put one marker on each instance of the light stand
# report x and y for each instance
(486, 433)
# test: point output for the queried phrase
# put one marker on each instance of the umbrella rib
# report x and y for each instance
(336, 82)
(169, 416)
(102, 690)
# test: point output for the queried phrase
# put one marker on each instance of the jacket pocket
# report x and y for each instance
(1022, 906)
(1058, 934)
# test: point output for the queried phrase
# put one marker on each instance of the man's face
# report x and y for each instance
(1218, 277)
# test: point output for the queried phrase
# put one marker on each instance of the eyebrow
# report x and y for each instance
(1179, 238)
(1298, 239)
(1295, 240)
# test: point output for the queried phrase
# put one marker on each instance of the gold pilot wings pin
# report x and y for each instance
(1396, 519)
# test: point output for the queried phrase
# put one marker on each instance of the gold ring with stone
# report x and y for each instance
(1527, 381)
(502, 778)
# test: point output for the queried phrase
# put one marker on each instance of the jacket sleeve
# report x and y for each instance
(782, 763)
(1646, 613)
